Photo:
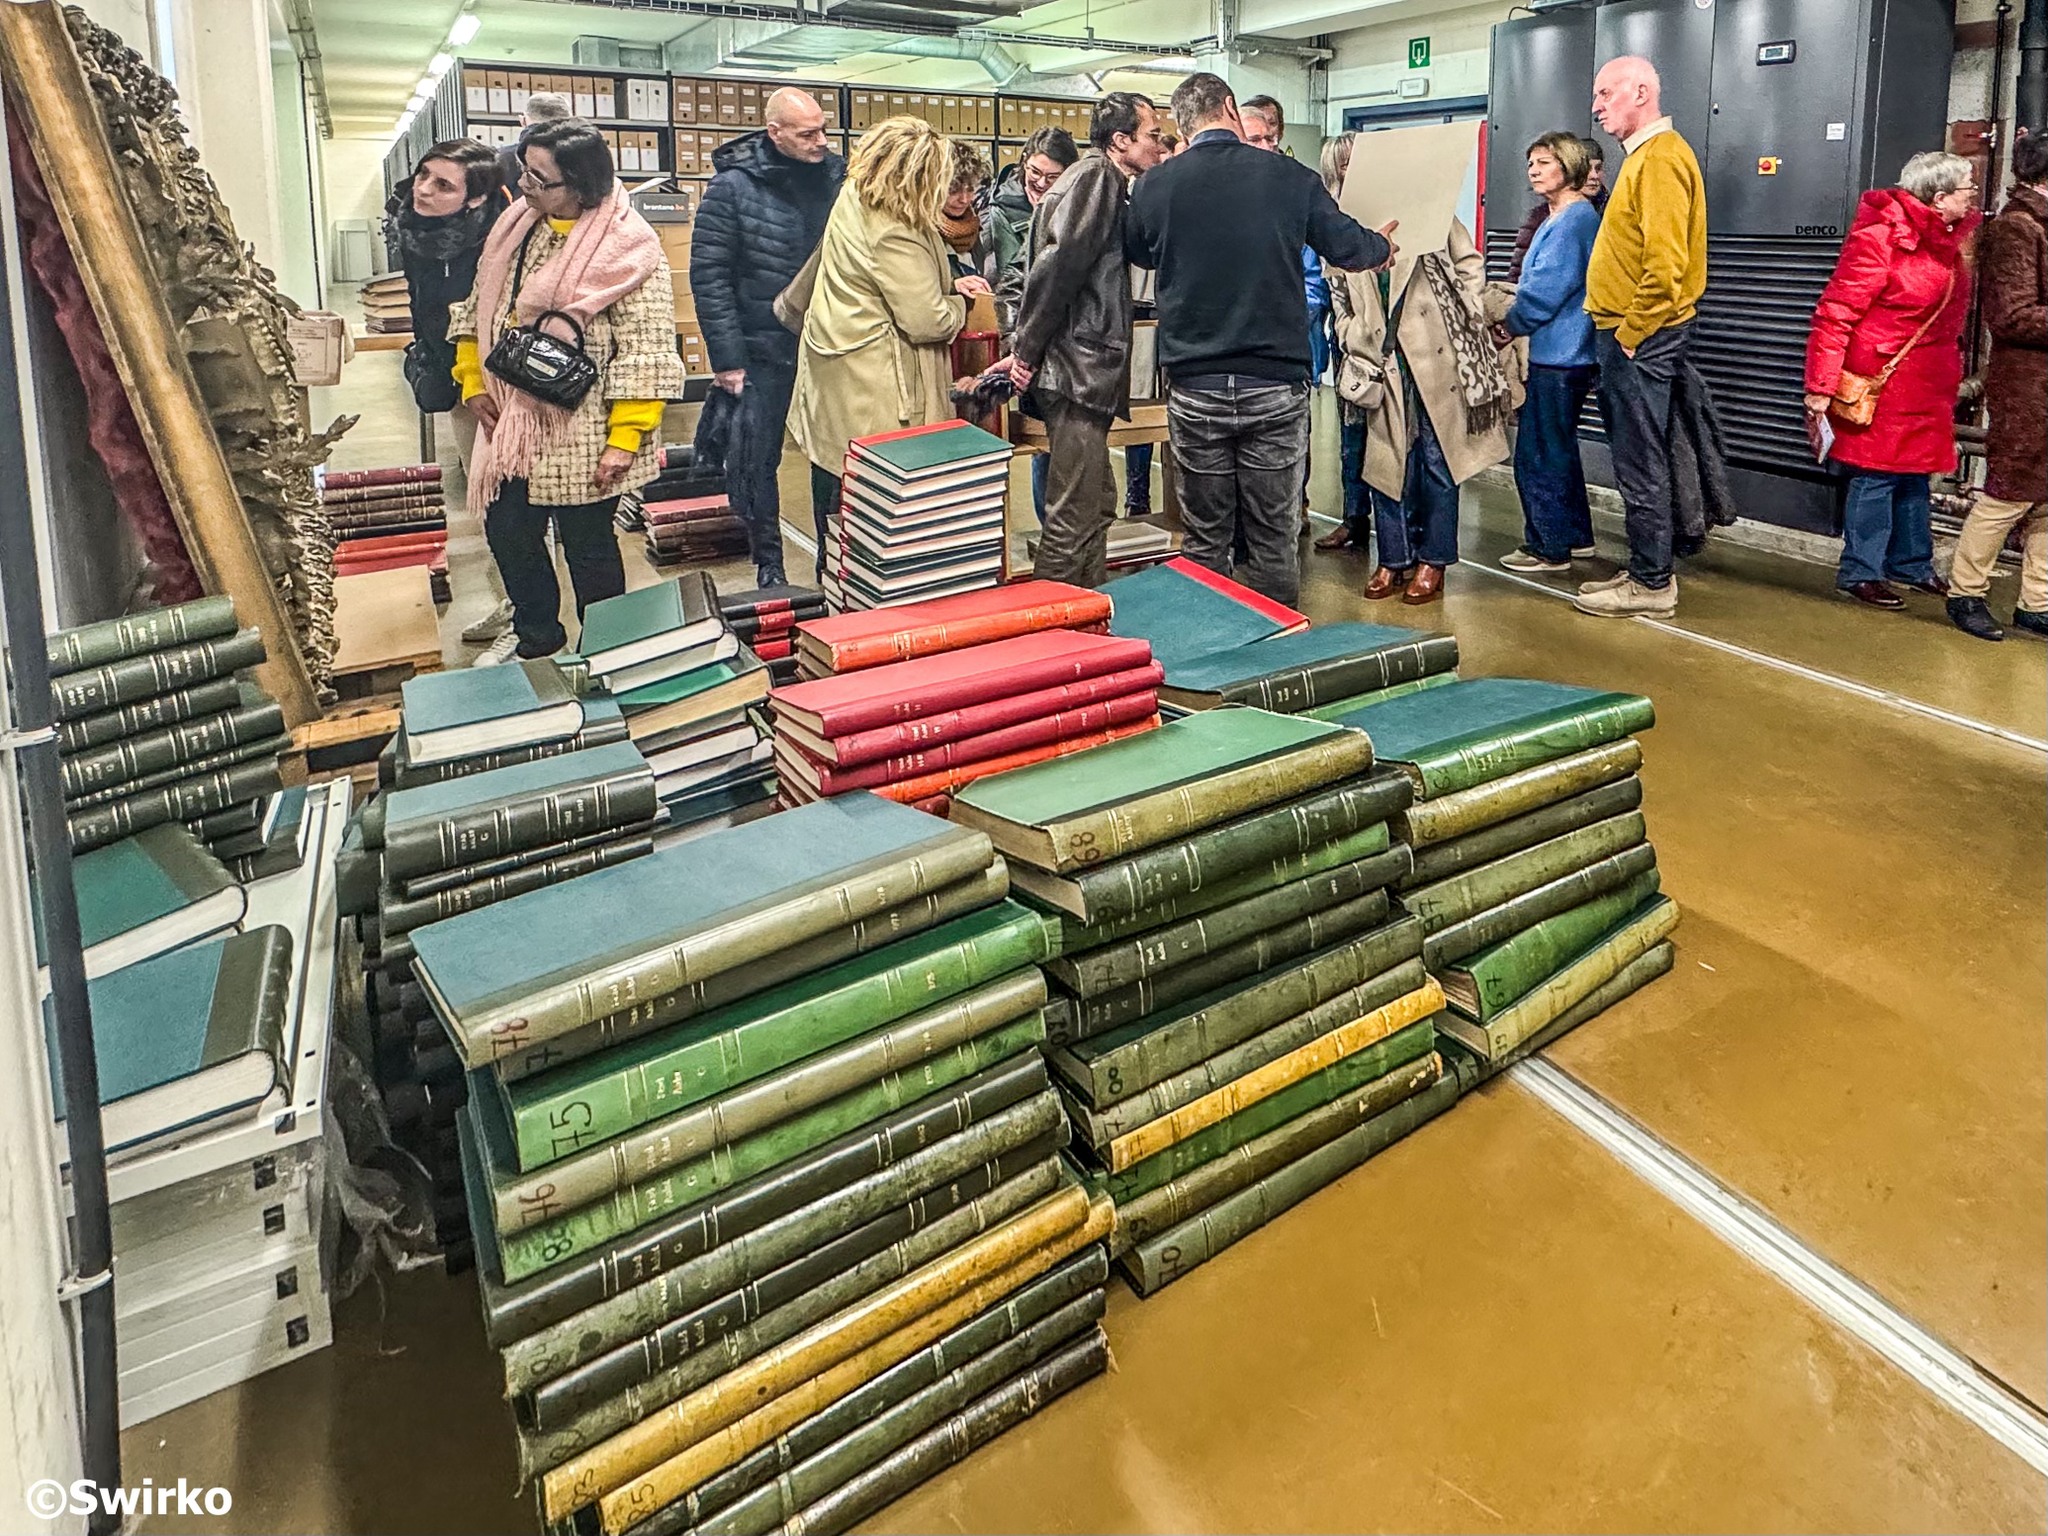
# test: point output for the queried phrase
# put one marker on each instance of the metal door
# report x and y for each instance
(1677, 36)
(1779, 158)
(1541, 82)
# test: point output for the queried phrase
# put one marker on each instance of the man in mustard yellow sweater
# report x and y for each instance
(1643, 286)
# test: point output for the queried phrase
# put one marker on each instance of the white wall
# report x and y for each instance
(352, 178)
(1372, 61)
(229, 106)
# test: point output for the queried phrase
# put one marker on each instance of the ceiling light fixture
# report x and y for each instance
(466, 27)
(442, 63)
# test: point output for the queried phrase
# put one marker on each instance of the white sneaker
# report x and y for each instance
(491, 625)
(499, 651)
(1630, 599)
(1585, 552)
(1524, 560)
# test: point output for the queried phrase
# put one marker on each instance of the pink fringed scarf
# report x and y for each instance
(610, 252)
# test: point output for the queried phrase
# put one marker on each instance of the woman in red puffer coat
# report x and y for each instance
(1902, 273)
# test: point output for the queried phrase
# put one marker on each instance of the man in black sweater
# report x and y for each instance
(1223, 224)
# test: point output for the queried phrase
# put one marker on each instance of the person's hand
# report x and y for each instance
(1817, 405)
(1501, 339)
(971, 287)
(1386, 232)
(485, 410)
(611, 468)
(731, 380)
(1629, 353)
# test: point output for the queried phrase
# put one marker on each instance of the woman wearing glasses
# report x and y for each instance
(572, 257)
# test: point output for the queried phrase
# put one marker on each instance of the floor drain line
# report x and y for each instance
(1947, 1374)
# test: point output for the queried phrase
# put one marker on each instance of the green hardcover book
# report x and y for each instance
(487, 709)
(513, 809)
(358, 873)
(1159, 1261)
(540, 965)
(1097, 1128)
(1338, 708)
(1129, 1060)
(1477, 890)
(1453, 816)
(1449, 739)
(620, 1089)
(248, 816)
(197, 768)
(1191, 866)
(1359, 1070)
(860, 937)
(419, 887)
(1564, 989)
(1484, 984)
(1093, 972)
(1072, 812)
(1292, 674)
(401, 916)
(1440, 861)
(95, 689)
(148, 894)
(160, 629)
(1654, 962)
(188, 1039)
(1253, 956)
(1185, 612)
(150, 714)
(257, 718)
(185, 800)
(651, 622)
(603, 725)
(1447, 946)
(1173, 1202)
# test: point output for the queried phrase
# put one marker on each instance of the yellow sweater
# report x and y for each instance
(1649, 264)
(629, 420)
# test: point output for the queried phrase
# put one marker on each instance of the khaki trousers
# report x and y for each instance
(1983, 536)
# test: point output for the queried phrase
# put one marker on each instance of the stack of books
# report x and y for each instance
(765, 619)
(387, 305)
(852, 642)
(387, 518)
(920, 730)
(682, 477)
(692, 530)
(690, 694)
(764, 1165)
(1240, 1011)
(1533, 877)
(921, 515)
(155, 726)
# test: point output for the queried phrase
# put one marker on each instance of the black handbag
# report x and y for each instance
(557, 372)
(429, 372)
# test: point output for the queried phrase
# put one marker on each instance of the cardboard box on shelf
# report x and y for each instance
(650, 152)
(706, 94)
(861, 110)
(914, 106)
(607, 92)
(583, 91)
(684, 141)
(750, 104)
(476, 90)
(499, 91)
(636, 100)
(828, 102)
(728, 103)
(657, 100)
(519, 86)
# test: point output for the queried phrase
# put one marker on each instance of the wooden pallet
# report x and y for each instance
(386, 629)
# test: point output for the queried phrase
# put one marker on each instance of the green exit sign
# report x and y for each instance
(1418, 53)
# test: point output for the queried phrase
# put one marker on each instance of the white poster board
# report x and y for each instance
(1415, 175)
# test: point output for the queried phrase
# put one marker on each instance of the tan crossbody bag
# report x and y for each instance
(1855, 400)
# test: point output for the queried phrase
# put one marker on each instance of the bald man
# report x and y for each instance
(761, 218)
(1643, 287)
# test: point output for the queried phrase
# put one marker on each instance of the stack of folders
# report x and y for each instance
(919, 730)
(387, 518)
(1533, 877)
(690, 692)
(765, 619)
(920, 515)
(765, 1170)
(1240, 1010)
(155, 727)
(692, 530)
(853, 642)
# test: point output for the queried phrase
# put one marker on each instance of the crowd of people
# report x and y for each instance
(830, 292)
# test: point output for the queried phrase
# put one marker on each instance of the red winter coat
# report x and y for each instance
(1890, 276)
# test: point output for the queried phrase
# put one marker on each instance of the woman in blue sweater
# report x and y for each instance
(1550, 309)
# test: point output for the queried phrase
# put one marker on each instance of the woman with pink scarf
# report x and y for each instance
(573, 246)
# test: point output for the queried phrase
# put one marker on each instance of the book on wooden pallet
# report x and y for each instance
(1186, 611)
(476, 710)
(851, 642)
(147, 894)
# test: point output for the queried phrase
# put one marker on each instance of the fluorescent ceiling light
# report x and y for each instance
(466, 27)
(442, 63)
(422, 94)
(1174, 61)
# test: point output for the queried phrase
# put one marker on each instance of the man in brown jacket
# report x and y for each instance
(1073, 339)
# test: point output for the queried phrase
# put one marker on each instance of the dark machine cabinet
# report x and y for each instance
(1678, 37)
(1540, 82)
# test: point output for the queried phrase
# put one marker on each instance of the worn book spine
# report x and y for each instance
(982, 888)
(154, 713)
(1159, 1261)
(698, 1219)
(979, 720)
(1338, 709)
(510, 826)
(401, 916)
(601, 733)
(1499, 974)
(1442, 860)
(1146, 1216)
(673, 1071)
(1491, 752)
(188, 798)
(1654, 962)
(1477, 890)
(198, 767)
(183, 743)
(1265, 1081)
(1301, 689)
(662, 1456)
(1447, 946)
(1087, 721)
(399, 474)
(159, 629)
(137, 677)
(855, 654)
(422, 886)
(1439, 819)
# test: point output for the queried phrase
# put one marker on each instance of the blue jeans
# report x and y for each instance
(1423, 525)
(1318, 344)
(1038, 465)
(1138, 477)
(1548, 473)
(1885, 531)
(1351, 466)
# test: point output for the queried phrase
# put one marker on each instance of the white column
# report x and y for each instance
(229, 105)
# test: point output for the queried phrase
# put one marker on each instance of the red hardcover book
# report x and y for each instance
(909, 791)
(408, 494)
(850, 642)
(930, 685)
(1065, 726)
(686, 509)
(766, 624)
(396, 474)
(770, 650)
(906, 736)
(396, 560)
(386, 543)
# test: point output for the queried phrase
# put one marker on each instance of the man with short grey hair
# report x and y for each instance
(540, 107)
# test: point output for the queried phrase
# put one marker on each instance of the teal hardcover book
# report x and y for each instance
(1294, 673)
(1187, 612)
(923, 451)
(147, 894)
(487, 709)
(637, 627)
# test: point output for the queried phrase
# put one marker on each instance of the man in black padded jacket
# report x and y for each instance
(761, 218)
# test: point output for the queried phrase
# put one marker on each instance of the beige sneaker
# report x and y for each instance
(1629, 598)
(1606, 583)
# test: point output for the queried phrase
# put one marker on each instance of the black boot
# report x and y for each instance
(1972, 615)
(2033, 620)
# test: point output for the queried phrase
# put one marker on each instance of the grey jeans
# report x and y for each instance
(1080, 495)
(1241, 448)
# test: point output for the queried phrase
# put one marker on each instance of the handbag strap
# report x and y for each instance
(1898, 357)
(519, 271)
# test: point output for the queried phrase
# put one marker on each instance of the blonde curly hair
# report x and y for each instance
(903, 167)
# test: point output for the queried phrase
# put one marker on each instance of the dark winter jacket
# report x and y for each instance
(1074, 325)
(759, 222)
(1006, 232)
(2015, 269)
(438, 257)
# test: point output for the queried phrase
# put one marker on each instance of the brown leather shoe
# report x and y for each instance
(1933, 586)
(1338, 537)
(1386, 582)
(1876, 594)
(1427, 586)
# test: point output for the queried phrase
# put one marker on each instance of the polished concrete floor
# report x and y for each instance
(1496, 1325)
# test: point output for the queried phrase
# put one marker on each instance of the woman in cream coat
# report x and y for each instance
(876, 354)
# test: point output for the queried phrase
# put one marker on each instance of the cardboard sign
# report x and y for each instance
(1415, 175)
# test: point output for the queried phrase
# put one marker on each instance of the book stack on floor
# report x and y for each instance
(690, 694)
(387, 305)
(920, 515)
(1533, 877)
(765, 619)
(764, 1165)
(692, 530)
(1240, 1012)
(384, 519)
(853, 642)
(682, 477)
(155, 726)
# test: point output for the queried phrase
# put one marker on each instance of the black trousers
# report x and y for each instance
(1635, 401)
(753, 461)
(517, 532)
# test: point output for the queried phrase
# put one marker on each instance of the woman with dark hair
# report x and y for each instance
(440, 218)
(575, 261)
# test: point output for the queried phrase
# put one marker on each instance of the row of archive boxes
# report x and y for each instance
(596, 98)
(740, 103)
